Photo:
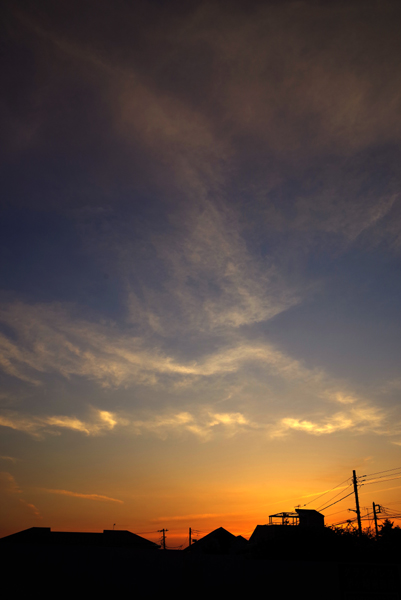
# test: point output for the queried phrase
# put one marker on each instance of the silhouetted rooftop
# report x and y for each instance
(109, 537)
(219, 541)
(301, 516)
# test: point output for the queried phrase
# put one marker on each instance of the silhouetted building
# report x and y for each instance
(288, 524)
(310, 518)
(219, 541)
(109, 538)
(302, 517)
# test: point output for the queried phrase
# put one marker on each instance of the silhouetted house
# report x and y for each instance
(109, 538)
(219, 541)
(288, 524)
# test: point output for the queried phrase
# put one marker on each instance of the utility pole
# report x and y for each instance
(358, 512)
(190, 536)
(375, 515)
(163, 531)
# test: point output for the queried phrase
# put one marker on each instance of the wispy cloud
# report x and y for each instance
(9, 483)
(96, 497)
(292, 92)
(324, 88)
(166, 126)
(216, 281)
(360, 419)
(206, 423)
(10, 487)
(101, 422)
(198, 275)
(32, 508)
(10, 458)
(50, 340)
(203, 424)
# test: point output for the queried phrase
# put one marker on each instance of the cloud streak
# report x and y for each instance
(96, 497)
(360, 419)
(10, 487)
(207, 423)
(10, 458)
(49, 340)
(32, 508)
(102, 421)
(202, 425)
(9, 483)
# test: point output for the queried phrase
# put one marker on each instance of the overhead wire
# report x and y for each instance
(386, 475)
(336, 513)
(325, 506)
(378, 472)
(367, 517)
(382, 476)
(143, 532)
(376, 481)
(321, 495)
(335, 496)
(336, 502)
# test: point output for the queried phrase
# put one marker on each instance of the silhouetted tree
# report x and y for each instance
(387, 528)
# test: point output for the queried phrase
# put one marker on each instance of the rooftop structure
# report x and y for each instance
(301, 517)
(290, 525)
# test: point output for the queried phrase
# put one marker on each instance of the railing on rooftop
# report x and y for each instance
(284, 518)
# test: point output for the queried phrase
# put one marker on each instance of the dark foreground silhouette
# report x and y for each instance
(288, 562)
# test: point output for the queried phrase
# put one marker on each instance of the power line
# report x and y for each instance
(343, 498)
(382, 476)
(336, 513)
(147, 532)
(335, 496)
(321, 495)
(378, 472)
(384, 514)
(372, 482)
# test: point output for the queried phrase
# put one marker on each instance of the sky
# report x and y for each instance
(200, 242)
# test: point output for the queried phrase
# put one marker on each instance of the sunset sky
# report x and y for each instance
(200, 241)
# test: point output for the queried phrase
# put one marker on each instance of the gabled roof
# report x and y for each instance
(219, 541)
